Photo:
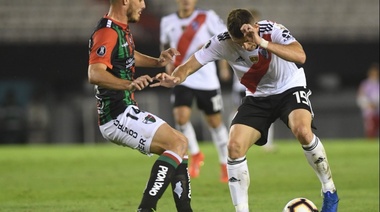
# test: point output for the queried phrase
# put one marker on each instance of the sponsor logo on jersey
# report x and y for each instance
(254, 59)
(149, 119)
(101, 51)
(160, 179)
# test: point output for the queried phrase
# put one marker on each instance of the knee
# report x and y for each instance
(303, 134)
(235, 149)
(181, 145)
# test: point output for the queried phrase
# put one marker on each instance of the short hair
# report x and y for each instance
(236, 18)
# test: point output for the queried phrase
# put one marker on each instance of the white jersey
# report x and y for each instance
(188, 35)
(260, 71)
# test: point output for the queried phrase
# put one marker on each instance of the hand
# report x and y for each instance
(167, 56)
(165, 80)
(141, 82)
(251, 36)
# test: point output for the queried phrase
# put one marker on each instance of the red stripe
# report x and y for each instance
(168, 154)
(187, 36)
(253, 76)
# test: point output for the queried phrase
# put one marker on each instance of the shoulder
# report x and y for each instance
(218, 41)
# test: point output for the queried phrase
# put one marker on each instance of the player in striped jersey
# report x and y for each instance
(112, 63)
(263, 56)
(188, 30)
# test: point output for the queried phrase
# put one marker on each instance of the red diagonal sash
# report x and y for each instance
(187, 36)
(253, 76)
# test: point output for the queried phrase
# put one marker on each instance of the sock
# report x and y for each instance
(238, 176)
(161, 175)
(188, 130)
(181, 187)
(316, 156)
(219, 137)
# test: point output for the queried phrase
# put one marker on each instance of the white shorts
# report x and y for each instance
(133, 128)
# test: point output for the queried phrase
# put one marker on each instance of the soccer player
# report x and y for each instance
(263, 55)
(112, 63)
(188, 30)
(238, 93)
(368, 101)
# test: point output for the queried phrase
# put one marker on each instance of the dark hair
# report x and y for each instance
(236, 19)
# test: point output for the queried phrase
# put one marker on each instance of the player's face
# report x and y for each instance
(134, 10)
(186, 4)
(244, 43)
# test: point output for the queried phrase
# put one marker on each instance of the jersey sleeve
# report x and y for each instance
(214, 23)
(210, 52)
(104, 40)
(281, 34)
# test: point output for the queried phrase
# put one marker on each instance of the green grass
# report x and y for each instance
(112, 178)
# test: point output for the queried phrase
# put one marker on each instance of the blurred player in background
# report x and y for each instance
(368, 101)
(263, 55)
(112, 63)
(188, 30)
(238, 93)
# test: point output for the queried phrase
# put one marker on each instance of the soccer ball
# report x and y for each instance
(300, 204)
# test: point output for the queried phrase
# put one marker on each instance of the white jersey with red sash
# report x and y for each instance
(260, 71)
(188, 35)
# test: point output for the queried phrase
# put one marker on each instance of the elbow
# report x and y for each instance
(301, 59)
(91, 78)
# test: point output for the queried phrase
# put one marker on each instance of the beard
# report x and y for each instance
(132, 17)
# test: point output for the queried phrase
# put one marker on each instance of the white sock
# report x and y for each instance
(219, 137)
(238, 183)
(316, 156)
(188, 130)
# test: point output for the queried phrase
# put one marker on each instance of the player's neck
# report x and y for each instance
(117, 15)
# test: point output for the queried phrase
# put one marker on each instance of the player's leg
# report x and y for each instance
(183, 124)
(181, 187)
(219, 135)
(211, 103)
(300, 124)
(182, 100)
(241, 138)
(169, 168)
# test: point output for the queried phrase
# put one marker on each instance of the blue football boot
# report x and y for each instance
(330, 202)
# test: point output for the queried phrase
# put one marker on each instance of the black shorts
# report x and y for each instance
(208, 101)
(261, 112)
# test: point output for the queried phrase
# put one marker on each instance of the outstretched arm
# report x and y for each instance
(179, 74)
(166, 57)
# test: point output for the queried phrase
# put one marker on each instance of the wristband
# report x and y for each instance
(264, 43)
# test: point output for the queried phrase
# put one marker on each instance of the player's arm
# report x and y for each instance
(169, 68)
(292, 52)
(98, 75)
(166, 56)
(179, 74)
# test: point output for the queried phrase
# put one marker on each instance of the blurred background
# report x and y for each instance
(45, 96)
